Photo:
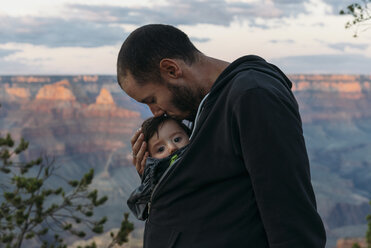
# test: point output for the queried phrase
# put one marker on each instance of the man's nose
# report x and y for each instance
(156, 111)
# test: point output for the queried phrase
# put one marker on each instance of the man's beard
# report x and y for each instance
(185, 100)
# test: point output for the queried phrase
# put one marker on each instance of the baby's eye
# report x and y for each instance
(160, 149)
(177, 139)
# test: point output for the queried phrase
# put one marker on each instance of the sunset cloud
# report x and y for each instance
(326, 64)
(342, 46)
(73, 36)
(57, 32)
(288, 41)
(338, 5)
(89, 25)
(7, 52)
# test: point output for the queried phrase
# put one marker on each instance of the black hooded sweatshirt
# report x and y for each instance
(154, 170)
(244, 180)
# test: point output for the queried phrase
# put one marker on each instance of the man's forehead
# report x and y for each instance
(140, 93)
(128, 82)
(130, 86)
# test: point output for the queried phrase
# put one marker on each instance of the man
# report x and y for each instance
(244, 180)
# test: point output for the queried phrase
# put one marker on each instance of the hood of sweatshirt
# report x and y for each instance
(249, 62)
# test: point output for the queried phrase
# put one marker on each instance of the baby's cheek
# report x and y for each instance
(164, 155)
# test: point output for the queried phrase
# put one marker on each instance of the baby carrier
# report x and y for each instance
(155, 170)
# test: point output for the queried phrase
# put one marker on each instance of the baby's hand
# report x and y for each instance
(139, 147)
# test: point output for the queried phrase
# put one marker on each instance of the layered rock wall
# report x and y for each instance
(88, 122)
(18, 93)
(56, 91)
(349, 242)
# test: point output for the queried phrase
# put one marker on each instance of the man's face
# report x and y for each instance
(180, 102)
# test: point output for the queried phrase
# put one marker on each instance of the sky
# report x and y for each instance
(54, 37)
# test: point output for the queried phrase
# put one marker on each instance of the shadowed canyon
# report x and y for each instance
(86, 122)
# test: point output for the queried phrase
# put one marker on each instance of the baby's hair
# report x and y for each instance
(151, 126)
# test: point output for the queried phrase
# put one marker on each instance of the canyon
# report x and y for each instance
(86, 122)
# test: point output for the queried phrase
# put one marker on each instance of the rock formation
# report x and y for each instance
(338, 97)
(105, 97)
(56, 91)
(87, 121)
(20, 93)
(86, 78)
(348, 242)
(348, 85)
(30, 79)
(105, 106)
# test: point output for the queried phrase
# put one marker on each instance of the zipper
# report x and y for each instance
(199, 110)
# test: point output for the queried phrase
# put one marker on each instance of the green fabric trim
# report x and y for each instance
(173, 158)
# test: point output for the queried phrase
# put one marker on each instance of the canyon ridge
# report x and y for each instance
(86, 122)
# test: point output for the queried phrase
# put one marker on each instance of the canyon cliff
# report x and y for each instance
(87, 121)
(79, 126)
(58, 91)
(349, 242)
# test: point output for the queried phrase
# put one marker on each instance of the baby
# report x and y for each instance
(166, 138)
(164, 135)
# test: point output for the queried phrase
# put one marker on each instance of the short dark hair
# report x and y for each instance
(145, 47)
(152, 125)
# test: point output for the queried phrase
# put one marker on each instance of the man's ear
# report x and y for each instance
(169, 68)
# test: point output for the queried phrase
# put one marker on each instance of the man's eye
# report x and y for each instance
(177, 139)
(160, 149)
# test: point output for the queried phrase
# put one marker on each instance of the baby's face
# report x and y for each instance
(170, 138)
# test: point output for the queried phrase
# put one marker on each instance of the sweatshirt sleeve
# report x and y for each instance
(274, 153)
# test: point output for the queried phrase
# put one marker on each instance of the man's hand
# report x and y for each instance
(139, 147)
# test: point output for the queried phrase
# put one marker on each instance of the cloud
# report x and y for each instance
(56, 32)
(176, 13)
(100, 25)
(199, 39)
(259, 24)
(343, 45)
(290, 1)
(13, 67)
(192, 12)
(338, 5)
(327, 64)
(7, 52)
(288, 41)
